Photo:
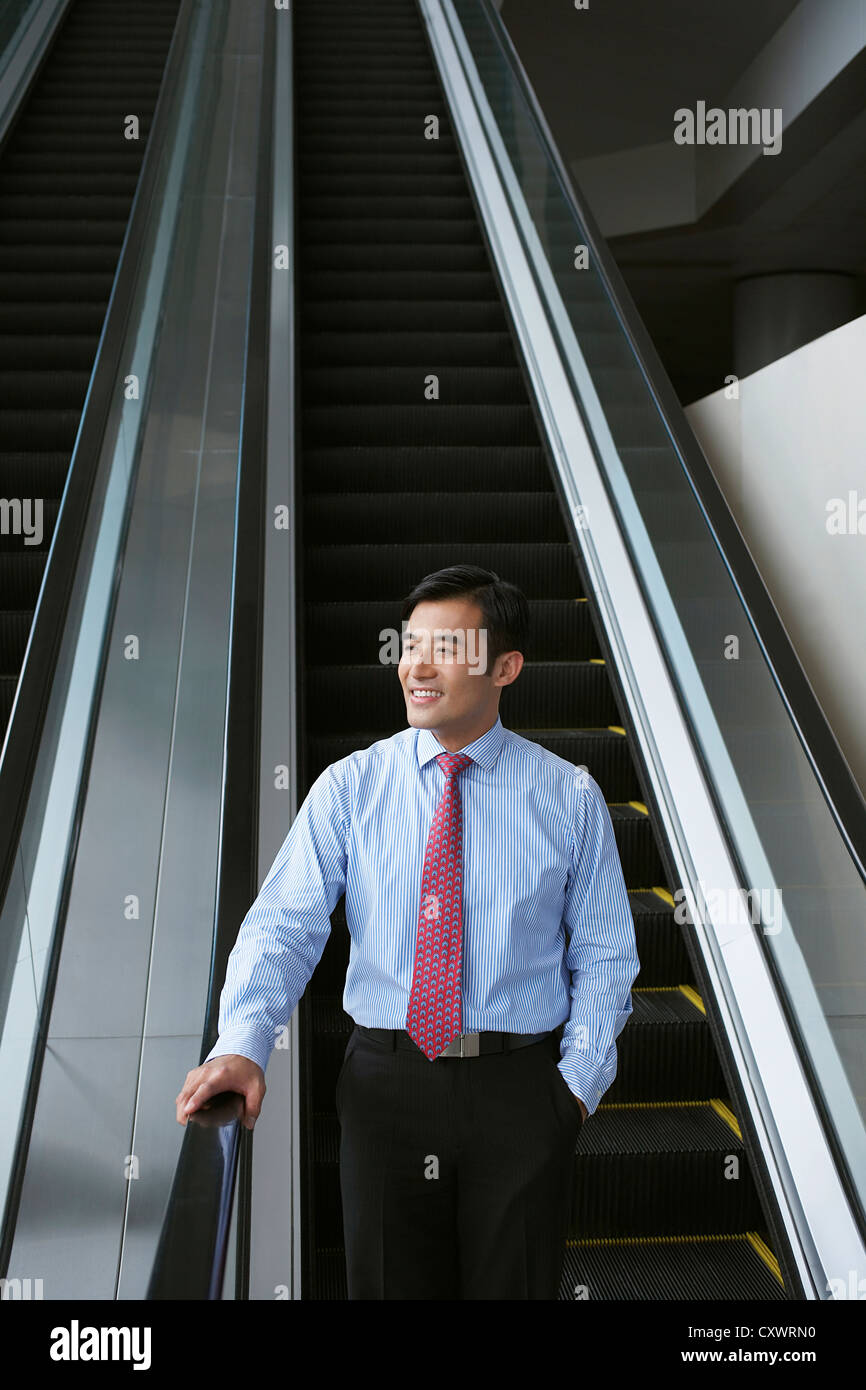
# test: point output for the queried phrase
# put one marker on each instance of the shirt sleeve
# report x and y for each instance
(282, 937)
(601, 953)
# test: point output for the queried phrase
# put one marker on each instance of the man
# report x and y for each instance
(492, 959)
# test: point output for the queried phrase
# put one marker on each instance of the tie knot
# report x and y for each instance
(453, 762)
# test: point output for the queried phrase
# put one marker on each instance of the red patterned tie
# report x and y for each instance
(434, 1014)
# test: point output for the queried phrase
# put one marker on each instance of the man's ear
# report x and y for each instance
(507, 667)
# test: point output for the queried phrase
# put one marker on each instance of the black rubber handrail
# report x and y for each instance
(216, 1153)
(27, 721)
(193, 1244)
(31, 74)
(841, 790)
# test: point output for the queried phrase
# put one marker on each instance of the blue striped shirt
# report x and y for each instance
(548, 933)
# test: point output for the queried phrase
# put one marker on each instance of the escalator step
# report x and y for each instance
(39, 474)
(20, 576)
(427, 423)
(459, 516)
(55, 390)
(394, 386)
(46, 431)
(14, 631)
(377, 571)
(669, 1267)
(461, 349)
(361, 315)
(433, 467)
(412, 286)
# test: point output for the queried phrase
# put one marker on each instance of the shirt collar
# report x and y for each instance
(483, 750)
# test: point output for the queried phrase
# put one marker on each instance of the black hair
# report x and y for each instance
(504, 609)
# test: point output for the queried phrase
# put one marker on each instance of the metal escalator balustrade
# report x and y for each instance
(229, 1226)
(396, 287)
(44, 854)
(58, 256)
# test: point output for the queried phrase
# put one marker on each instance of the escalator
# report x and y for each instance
(92, 209)
(423, 439)
(68, 175)
(396, 287)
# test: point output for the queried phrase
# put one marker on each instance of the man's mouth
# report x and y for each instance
(424, 696)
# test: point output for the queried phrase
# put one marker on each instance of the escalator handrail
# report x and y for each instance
(193, 1246)
(21, 63)
(844, 797)
(215, 1155)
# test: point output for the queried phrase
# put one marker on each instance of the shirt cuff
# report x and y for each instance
(584, 1077)
(246, 1044)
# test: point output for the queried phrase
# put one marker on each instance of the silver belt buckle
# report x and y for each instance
(464, 1045)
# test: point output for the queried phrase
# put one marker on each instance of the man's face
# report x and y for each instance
(444, 654)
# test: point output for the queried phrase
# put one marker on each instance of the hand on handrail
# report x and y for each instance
(231, 1072)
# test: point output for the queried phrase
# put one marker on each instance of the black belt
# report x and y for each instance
(473, 1044)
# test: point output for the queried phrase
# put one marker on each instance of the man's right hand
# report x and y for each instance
(229, 1073)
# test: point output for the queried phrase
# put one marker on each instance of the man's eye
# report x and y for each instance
(440, 648)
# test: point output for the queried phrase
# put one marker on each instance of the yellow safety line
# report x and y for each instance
(727, 1115)
(719, 1106)
(651, 1104)
(659, 1240)
(752, 1237)
(663, 893)
(639, 806)
(694, 997)
(596, 661)
(616, 728)
(766, 1255)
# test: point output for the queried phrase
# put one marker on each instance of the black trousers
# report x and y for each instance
(456, 1175)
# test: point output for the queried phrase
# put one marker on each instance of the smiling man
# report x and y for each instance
(490, 972)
